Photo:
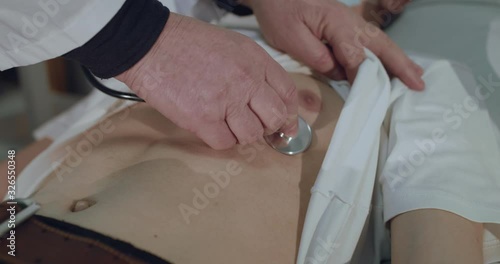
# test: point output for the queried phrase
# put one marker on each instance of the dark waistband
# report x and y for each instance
(42, 239)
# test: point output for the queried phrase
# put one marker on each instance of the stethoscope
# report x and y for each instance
(278, 141)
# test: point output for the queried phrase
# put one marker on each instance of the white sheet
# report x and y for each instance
(341, 196)
(34, 31)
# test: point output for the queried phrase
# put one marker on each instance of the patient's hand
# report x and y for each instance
(298, 27)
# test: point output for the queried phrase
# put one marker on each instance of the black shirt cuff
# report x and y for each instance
(124, 40)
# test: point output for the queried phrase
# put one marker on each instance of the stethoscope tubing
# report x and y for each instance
(111, 92)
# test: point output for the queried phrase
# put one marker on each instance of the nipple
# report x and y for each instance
(291, 145)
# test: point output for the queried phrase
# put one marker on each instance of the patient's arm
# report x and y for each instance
(22, 159)
(435, 237)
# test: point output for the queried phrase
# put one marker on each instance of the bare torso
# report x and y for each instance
(158, 187)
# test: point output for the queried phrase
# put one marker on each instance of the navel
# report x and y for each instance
(81, 205)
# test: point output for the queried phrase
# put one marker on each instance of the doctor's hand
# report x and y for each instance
(301, 27)
(215, 83)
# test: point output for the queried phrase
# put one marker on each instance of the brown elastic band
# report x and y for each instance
(46, 240)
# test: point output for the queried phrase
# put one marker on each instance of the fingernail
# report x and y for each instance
(420, 84)
(419, 69)
(291, 127)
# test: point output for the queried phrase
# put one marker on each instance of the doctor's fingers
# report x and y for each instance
(264, 114)
(216, 134)
(277, 116)
(308, 48)
(349, 46)
(348, 51)
(245, 125)
(397, 62)
(269, 108)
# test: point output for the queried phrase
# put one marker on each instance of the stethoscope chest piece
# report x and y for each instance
(292, 145)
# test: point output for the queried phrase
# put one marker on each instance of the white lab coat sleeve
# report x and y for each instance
(34, 31)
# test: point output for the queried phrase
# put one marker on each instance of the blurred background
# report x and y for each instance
(32, 95)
